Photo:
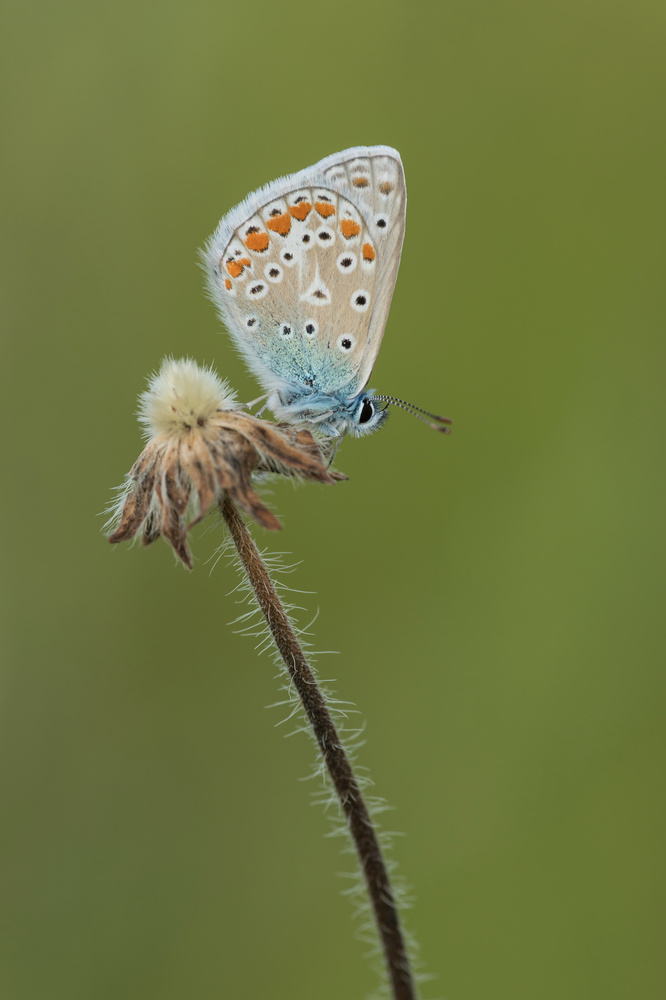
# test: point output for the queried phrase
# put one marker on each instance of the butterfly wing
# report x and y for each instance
(303, 272)
(376, 177)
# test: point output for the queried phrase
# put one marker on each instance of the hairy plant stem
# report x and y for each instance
(335, 758)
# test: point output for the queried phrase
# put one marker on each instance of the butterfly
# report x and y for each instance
(302, 272)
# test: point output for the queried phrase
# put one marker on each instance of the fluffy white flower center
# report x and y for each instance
(183, 395)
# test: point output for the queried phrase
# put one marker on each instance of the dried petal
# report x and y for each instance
(138, 500)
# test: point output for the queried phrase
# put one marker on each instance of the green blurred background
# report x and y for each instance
(496, 597)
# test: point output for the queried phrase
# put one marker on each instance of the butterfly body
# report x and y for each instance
(303, 272)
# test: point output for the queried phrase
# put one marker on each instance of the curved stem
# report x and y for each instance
(337, 762)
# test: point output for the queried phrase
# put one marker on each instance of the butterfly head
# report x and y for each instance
(358, 416)
(332, 415)
(368, 412)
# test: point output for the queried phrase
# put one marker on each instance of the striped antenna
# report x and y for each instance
(437, 423)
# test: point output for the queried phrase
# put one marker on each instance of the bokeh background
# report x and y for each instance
(496, 598)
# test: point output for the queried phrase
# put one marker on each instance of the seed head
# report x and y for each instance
(201, 447)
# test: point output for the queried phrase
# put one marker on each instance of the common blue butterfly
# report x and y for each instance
(303, 272)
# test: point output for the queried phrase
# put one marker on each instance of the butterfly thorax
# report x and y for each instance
(332, 414)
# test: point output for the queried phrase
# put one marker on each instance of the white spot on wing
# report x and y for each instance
(274, 273)
(347, 262)
(345, 342)
(360, 300)
(318, 293)
(325, 236)
(256, 290)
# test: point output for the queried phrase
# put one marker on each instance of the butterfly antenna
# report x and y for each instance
(437, 423)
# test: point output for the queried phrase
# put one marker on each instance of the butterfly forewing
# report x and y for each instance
(304, 271)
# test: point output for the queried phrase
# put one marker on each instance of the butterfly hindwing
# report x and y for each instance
(296, 282)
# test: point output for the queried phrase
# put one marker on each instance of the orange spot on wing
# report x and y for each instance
(324, 208)
(368, 251)
(300, 211)
(360, 182)
(257, 241)
(227, 284)
(236, 267)
(349, 228)
(385, 187)
(280, 224)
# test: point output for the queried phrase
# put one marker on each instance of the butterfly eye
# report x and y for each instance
(367, 412)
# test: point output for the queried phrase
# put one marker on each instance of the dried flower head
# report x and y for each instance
(201, 447)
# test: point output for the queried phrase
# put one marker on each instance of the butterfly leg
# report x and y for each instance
(253, 402)
(335, 450)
